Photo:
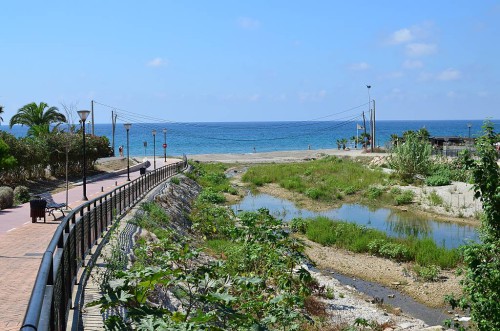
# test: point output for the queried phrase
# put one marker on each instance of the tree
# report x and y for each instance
(1, 112)
(411, 157)
(481, 283)
(37, 118)
(6, 159)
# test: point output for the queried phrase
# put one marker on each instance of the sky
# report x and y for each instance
(222, 61)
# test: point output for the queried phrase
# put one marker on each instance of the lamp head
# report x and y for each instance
(83, 114)
(127, 126)
(153, 132)
(164, 130)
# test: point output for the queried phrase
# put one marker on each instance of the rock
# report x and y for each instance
(388, 329)
(405, 325)
(397, 311)
(464, 319)
(395, 283)
(391, 296)
(433, 328)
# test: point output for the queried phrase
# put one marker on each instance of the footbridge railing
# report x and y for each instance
(52, 296)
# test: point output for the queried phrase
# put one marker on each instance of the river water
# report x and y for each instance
(393, 222)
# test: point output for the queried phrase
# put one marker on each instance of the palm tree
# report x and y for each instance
(37, 118)
(1, 112)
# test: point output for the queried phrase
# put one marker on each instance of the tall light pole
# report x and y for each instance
(145, 146)
(469, 125)
(371, 116)
(127, 127)
(154, 148)
(165, 145)
(83, 116)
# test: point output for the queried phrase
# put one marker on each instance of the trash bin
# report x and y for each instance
(37, 209)
(142, 171)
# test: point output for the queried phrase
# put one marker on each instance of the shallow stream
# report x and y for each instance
(393, 222)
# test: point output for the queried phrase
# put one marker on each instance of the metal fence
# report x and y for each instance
(51, 298)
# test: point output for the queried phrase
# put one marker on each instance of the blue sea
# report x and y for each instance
(247, 137)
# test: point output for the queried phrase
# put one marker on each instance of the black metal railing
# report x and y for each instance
(51, 298)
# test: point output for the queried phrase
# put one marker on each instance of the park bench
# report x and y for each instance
(39, 207)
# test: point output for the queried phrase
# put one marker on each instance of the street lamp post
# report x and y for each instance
(165, 145)
(371, 117)
(127, 127)
(469, 125)
(145, 145)
(83, 116)
(154, 148)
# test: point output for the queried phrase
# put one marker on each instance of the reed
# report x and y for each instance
(361, 239)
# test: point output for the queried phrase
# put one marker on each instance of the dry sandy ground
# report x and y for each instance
(280, 156)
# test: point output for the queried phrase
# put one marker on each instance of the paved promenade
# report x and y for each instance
(23, 243)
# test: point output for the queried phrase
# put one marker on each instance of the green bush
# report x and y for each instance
(298, 224)
(175, 180)
(374, 192)
(211, 196)
(314, 193)
(427, 273)
(435, 199)
(405, 198)
(21, 194)
(437, 180)
(6, 197)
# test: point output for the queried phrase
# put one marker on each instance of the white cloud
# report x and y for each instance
(359, 66)
(248, 23)
(312, 96)
(401, 36)
(449, 74)
(157, 62)
(412, 64)
(420, 49)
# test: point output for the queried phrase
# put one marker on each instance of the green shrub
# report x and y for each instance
(298, 224)
(21, 194)
(6, 197)
(314, 193)
(374, 192)
(175, 180)
(405, 198)
(395, 251)
(435, 199)
(211, 196)
(427, 273)
(437, 180)
(395, 190)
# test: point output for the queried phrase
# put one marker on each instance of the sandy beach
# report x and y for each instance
(280, 156)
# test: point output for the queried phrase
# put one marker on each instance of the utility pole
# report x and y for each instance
(113, 125)
(364, 127)
(373, 133)
(92, 111)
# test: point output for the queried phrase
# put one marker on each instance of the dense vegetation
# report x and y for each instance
(31, 157)
(481, 284)
(361, 239)
(252, 281)
(327, 179)
(46, 148)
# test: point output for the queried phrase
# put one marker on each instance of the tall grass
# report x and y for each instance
(360, 239)
(325, 179)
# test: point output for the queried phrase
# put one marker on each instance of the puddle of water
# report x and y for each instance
(395, 298)
(393, 222)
